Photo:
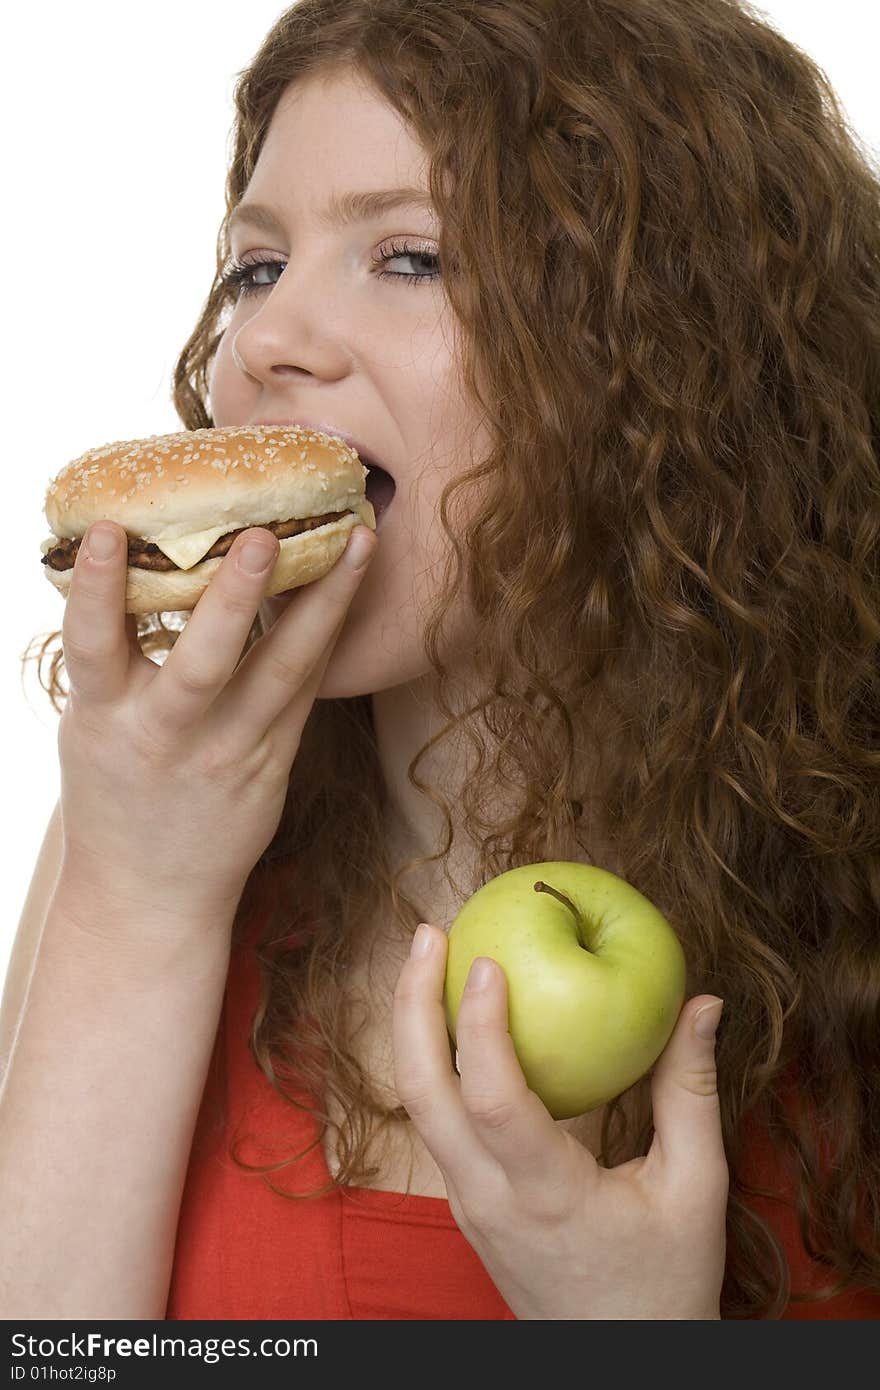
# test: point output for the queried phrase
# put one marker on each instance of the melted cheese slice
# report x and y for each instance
(187, 551)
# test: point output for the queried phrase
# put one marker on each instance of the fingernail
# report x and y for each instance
(256, 556)
(421, 942)
(480, 973)
(101, 543)
(359, 548)
(707, 1019)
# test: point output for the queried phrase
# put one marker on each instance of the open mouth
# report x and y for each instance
(380, 488)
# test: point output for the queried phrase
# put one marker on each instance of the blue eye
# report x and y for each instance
(409, 253)
(240, 276)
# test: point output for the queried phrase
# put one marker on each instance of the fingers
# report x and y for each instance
(278, 678)
(510, 1119)
(96, 640)
(423, 1076)
(688, 1138)
(209, 647)
(100, 643)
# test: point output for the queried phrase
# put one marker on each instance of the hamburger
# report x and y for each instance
(183, 498)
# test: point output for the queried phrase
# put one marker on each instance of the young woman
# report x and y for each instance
(617, 343)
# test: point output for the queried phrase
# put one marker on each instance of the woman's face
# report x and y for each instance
(333, 344)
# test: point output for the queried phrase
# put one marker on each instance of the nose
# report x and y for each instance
(237, 358)
(291, 333)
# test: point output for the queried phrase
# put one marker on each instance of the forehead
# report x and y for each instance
(336, 131)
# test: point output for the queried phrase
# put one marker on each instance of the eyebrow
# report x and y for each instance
(342, 210)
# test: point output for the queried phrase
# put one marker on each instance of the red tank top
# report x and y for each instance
(242, 1252)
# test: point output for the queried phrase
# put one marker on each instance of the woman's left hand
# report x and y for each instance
(560, 1236)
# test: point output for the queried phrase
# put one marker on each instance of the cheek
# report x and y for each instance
(224, 379)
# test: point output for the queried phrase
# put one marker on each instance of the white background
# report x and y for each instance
(117, 127)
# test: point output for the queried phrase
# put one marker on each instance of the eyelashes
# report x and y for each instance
(239, 277)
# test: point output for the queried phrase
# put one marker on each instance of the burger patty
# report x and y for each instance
(146, 555)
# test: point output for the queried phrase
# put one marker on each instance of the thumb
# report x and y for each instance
(684, 1094)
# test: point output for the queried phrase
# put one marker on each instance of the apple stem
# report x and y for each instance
(566, 902)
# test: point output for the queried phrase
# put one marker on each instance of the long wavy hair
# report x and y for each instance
(661, 241)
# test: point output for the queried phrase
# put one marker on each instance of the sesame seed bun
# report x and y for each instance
(173, 486)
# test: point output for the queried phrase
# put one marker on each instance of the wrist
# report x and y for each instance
(115, 920)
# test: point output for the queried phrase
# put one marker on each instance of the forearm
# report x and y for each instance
(97, 1114)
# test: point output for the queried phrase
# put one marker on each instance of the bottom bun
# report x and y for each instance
(301, 560)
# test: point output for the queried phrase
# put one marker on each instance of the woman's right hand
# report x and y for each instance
(174, 777)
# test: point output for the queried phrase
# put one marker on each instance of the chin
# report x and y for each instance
(345, 678)
(362, 664)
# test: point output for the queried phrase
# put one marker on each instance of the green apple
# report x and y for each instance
(595, 977)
